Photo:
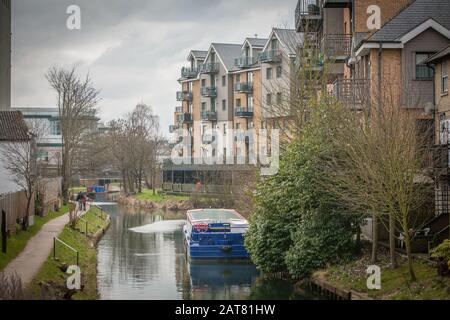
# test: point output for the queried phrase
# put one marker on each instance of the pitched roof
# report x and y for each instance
(438, 56)
(199, 54)
(411, 17)
(289, 38)
(13, 127)
(256, 42)
(227, 52)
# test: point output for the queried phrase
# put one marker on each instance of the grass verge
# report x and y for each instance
(395, 283)
(18, 241)
(158, 197)
(51, 270)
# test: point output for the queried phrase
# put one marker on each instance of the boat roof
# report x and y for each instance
(216, 215)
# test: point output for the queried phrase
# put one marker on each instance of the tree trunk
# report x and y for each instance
(27, 214)
(374, 238)
(412, 275)
(392, 241)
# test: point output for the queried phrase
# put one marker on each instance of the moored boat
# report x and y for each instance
(215, 234)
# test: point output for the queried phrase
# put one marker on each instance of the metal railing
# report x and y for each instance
(243, 112)
(244, 87)
(208, 92)
(244, 62)
(178, 109)
(189, 72)
(184, 96)
(173, 128)
(336, 45)
(209, 68)
(185, 117)
(270, 56)
(307, 10)
(209, 115)
(354, 93)
(57, 240)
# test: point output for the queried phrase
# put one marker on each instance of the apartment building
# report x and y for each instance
(277, 80)
(5, 54)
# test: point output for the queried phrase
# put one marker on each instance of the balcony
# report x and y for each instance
(173, 128)
(189, 73)
(184, 96)
(209, 116)
(210, 92)
(353, 93)
(244, 62)
(184, 118)
(209, 68)
(242, 112)
(178, 109)
(308, 15)
(243, 87)
(337, 46)
(337, 3)
(270, 56)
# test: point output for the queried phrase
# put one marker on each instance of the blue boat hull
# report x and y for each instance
(216, 252)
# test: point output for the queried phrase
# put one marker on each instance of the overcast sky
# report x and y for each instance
(133, 49)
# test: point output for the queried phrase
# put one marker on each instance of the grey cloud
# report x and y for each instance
(133, 49)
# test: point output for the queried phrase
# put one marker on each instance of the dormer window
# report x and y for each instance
(247, 51)
(213, 57)
(274, 44)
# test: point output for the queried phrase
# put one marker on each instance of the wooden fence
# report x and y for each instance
(15, 206)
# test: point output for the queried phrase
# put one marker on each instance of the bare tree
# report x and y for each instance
(77, 99)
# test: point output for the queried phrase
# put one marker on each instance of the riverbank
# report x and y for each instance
(157, 201)
(351, 276)
(50, 282)
(18, 241)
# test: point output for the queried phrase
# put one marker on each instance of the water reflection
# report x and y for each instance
(142, 256)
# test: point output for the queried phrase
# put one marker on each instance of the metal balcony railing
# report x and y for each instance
(209, 68)
(184, 96)
(178, 109)
(336, 46)
(208, 92)
(354, 93)
(270, 56)
(244, 62)
(189, 73)
(336, 3)
(307, 14)
(243, 87)
(184, 118)
(209, 116)
(242, 112)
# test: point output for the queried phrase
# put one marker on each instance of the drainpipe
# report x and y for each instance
(380, 56)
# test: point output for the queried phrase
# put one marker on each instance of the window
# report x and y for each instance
(279, 71)
(203, 106)
(279, 98)
(224, 105)
(250, 102)
(444, 72)
(238, 102)
(269, 73)
(224, 129)
(274, 44)
(250, 124)
(238, 78)
(203, 83)
(423, 72)
(55, 128)
(238, 126)
(263, 124)
(250, 77)
(213, 104)
(224, 81)
(269, 98)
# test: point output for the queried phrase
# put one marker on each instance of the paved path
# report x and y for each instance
(28, 263)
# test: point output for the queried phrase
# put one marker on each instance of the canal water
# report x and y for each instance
(142, 257)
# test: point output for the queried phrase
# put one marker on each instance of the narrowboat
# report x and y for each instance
(215, 234)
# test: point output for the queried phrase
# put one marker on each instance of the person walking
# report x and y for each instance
(80, 201)
(84, 200)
